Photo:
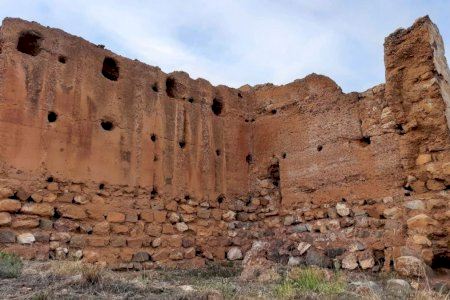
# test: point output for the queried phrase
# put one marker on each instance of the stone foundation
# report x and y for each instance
(110, 160)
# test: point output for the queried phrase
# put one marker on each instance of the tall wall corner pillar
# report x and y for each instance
(418, 92)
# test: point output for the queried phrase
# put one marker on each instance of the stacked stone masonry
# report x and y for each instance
(110, 160)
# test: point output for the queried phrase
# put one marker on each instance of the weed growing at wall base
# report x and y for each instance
(10, 265)
(310, 280)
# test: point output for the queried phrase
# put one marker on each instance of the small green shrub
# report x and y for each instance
(310, 280)
(10, 265)
(315, 280)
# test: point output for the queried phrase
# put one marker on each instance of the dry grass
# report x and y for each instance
(430, 294)
(76, 280)
(425, 292)
(93, 274)
(67, 268)
(88, 273)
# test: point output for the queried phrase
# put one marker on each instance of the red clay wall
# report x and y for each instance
(361, 178)
(76, 147)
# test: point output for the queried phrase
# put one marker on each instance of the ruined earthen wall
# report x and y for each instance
(324, 141)
(76, 147)
(151, 168)
(165, 145)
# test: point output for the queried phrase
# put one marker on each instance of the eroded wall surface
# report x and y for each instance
(110, 160)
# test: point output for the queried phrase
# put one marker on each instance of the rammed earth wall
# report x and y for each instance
(111, 160)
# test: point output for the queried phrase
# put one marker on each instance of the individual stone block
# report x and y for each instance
(421, 240)
(203, 213)
(41, 236)
(80, 199)
(6, 192)
(188, 218)
(409, 266)
(53, 186)
(288, 220)
(118, 241)
(156, 242)
(95, 212)
(7, 236)
(421, 221)
(37, 197)
(10, 205)
(119, 228)
(229, 216)
(131, 217)
(159, 216)
(398, 289)
(101, 228)
(98, 241)
(66, 197)
(72, 211)
(40, 209)
(188, 241)
(65, 225)
(62, 237)
(161, 255)
(415, 204)
(350, 262)
(356, 246)
(76, 255)
(423, 159)
(216, 214)
(134, 242)
(234, 253)
(342, 209)
(147, 216)
(435, 185)
(176, 255)
(366, 260)
(392, 213)
(303, 247)
(365, 287)
(315, 257)
(78, 241)
(173, 241)
(49, 197)
(168, 228)
(172, 206)
(76, 188)
(85, 228)
(181, 226)
(141, 257)
(25, 238)
(24, 221)
(153, 230)
(173, 217)
(5, 218)
(115, 217)
(187, 209)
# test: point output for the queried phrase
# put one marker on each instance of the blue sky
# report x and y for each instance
(243, 41)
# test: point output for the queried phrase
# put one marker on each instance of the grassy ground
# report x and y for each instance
(75, 280)
(309, 280)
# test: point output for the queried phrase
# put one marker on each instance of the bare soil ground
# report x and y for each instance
(74, 280)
